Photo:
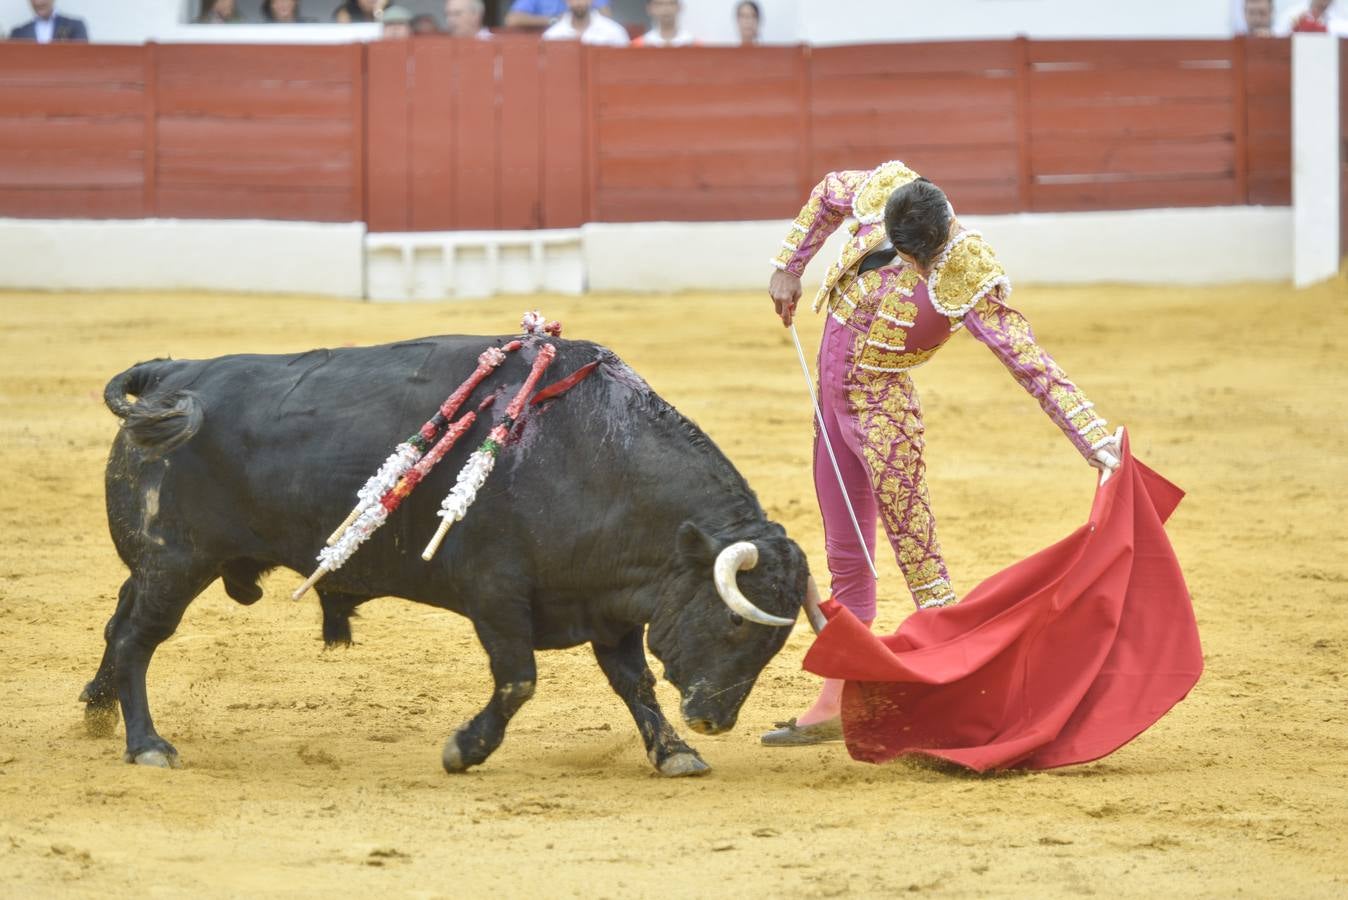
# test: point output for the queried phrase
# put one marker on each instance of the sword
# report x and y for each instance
(828, 445)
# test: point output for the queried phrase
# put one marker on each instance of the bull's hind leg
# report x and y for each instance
(158, 597)
(100, 694)
(507, 636)
(627, 671)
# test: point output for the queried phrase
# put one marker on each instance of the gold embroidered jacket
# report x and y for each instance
(905, 319)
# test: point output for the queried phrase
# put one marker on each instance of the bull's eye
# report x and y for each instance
(736, 619)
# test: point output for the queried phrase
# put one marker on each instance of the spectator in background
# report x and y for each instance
(583, 23)
(425, 24)
(358, 11)
(665, 30)
(1259, 18)
(47, 26)
(219, 12)
(397, 23)
(542, 13)
(283, 12)
(748, 20)
(465, 19)
(1312, 18)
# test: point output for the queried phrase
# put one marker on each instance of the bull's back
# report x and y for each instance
(284, 441)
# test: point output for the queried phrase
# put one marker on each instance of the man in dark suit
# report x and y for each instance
(47, 26)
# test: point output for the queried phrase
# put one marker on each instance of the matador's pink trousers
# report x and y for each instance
(875, 425)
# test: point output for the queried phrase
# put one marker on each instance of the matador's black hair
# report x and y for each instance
(917, 220)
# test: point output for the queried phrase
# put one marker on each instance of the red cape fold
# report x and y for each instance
(1062, 658)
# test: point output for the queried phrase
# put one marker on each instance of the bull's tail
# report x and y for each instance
(155, 422)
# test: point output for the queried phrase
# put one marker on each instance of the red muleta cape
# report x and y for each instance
(1060, 659)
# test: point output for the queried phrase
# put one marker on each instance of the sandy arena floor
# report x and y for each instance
(311, 772)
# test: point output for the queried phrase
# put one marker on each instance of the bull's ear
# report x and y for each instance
(695, 545)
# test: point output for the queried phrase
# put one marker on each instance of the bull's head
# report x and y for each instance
(726, 610)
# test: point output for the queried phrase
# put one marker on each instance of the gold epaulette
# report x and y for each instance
(964, 273)
(868, 204)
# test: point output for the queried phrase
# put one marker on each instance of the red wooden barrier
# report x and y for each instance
(702, 134)
(440, 134)
(949, 110)
(1268, 92)
(72, 131)
(270, 132)
(1119, 125)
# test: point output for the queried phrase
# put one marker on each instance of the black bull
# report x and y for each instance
(607, 512)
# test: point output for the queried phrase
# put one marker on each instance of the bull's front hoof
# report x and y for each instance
(100, 719)
(157, 759)
(681, 765)
(451, 757)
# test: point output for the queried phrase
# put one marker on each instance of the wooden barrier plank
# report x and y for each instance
(1162, 120)
(925, 99)
(696, 170)
(80, 167)
(258, 203)
(387, 163)
(433, 151)
(996, 58)
(276, 170)
(25, 65)
(263, 138)
(47, 202)
(658, 204)
(695, 101)
(563, 113)
(520, 170)
(1239, 120)
(1103, 87)
(149, 130)
(995, 127)
(356, 64)
(768, 134)
(476, 137)
(693, 65)
(247, 100)
(1134, 194)
(254, 63)
(72, 100)
(1270, 156)
(1133, 158)
(1270, 188)
(36, 134)
(1130, 54)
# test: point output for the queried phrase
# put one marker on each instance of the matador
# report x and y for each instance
(909, 276)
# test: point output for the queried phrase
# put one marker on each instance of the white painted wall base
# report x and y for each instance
(1315, 157)
(1186, 246)
(466, 264)
(1216, 245)
(180, 254)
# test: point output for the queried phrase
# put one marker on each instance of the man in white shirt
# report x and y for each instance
(464, 18)
(665, 30)
(582, 23)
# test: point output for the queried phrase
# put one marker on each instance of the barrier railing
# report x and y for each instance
(441, 134)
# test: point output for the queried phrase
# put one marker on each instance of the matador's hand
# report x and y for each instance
(1108, 457)
(784, 289)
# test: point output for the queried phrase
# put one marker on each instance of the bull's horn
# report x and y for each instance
(812, 611)
(739, 557)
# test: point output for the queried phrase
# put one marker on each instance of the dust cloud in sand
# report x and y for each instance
(314, 772)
